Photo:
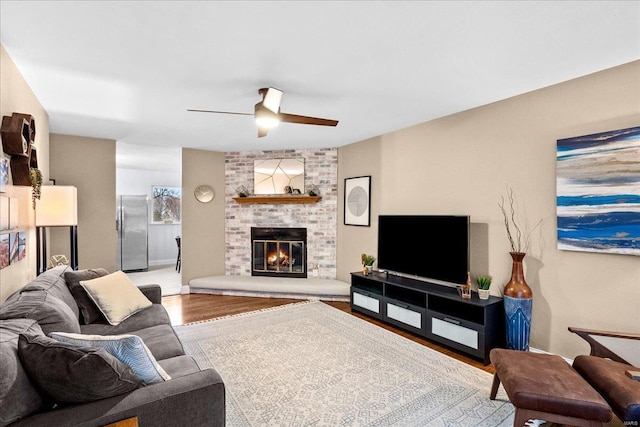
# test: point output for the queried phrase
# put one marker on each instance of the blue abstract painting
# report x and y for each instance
(598, 192)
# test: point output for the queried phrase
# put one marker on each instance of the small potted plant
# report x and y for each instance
(484, 283)
(367, 263)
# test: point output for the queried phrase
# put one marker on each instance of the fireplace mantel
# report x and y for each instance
(278, 199)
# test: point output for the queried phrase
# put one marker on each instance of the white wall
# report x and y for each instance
(162, 243)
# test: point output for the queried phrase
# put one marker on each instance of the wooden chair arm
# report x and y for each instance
(626, 335)
(597, 349)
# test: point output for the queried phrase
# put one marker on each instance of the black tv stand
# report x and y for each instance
(435, 312)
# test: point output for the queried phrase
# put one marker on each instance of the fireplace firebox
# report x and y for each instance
(279, 252)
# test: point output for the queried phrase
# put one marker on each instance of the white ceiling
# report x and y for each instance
(129, 70)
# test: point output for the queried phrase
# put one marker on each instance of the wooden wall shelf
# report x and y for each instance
(278, 199)
(18, 133)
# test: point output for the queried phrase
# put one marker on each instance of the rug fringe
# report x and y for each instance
(248, 313)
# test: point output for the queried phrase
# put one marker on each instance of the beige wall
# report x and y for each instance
(17, 97)
(90, 165)
(203, 224)
(463, 163)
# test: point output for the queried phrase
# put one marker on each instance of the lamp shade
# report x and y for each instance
(57, 207)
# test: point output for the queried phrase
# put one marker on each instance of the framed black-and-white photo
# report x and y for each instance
(357, 201)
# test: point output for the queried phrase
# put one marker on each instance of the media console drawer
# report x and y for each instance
(365, 301)
(405, 314)
(452, 330)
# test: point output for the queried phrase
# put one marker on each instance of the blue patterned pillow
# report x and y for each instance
(129, 349)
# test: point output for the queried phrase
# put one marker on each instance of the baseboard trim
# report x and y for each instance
(537, 350)
(162, 262)
(185, 290)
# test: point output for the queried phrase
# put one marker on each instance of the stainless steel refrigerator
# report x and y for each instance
(132, 218)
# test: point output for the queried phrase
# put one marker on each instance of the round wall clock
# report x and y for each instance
(204, 193)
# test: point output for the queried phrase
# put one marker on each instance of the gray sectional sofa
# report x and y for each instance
(192, 397)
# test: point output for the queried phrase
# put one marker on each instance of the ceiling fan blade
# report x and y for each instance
(271, 98)
(305, 120)
(267, 113)
(221, 112)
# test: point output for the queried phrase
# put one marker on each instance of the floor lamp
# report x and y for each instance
(57, 207)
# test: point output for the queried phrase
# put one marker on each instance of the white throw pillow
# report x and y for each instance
(116, 296)
(129, 349)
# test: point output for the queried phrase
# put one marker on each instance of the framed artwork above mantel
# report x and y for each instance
(278, 176)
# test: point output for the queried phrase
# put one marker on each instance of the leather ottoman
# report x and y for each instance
(546, 387)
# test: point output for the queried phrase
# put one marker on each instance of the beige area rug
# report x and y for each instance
(309, 364)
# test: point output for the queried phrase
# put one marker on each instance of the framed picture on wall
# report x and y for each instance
(13, 213)
(17, 246)
(357, 201)
(598, 197)
(5, 254)
(8, 213)
(4, 173)
(166, 205)
(4, 213)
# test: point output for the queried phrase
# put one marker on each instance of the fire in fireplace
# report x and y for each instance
(279, 252)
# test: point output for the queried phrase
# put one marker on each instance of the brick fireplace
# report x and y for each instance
(319, 219)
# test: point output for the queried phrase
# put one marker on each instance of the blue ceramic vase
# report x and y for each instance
(518, 302)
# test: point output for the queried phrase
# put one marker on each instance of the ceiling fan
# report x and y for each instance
(267, 113)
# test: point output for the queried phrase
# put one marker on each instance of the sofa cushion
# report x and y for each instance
(152, 316)
(51, 313)
(179, 366)
(18, 396)
(53, 282)
(162, 341)
(116, 296)
(609, 379)
(74, 374)
(129, 349)
(89, 311)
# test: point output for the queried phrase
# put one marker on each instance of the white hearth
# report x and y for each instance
(272, 287)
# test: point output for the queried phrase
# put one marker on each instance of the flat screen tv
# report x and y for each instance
(432, 248)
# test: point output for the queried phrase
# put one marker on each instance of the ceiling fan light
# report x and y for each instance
(267, 122)
(266, 119)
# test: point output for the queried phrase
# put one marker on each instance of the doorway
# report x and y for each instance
(140, 171)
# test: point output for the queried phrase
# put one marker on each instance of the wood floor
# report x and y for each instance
(196, 307)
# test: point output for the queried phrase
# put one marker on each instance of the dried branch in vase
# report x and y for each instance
(521, 241)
